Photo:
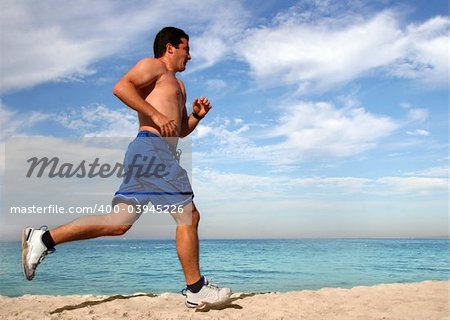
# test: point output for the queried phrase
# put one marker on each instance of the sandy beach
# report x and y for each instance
(425, 300)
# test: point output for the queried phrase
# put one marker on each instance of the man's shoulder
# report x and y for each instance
(152, 63)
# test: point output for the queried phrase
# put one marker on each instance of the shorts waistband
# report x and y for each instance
(147, 134)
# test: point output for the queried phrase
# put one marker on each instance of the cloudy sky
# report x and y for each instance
(330, 118)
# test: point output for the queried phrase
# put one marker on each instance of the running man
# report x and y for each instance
(152, 89)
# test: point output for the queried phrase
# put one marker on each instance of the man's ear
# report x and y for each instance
(169, 48)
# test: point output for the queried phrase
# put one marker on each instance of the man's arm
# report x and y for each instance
(200, 108)
(143, 74)
(188, 124)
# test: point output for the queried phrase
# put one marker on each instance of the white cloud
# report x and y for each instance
(95, 121)
(303, 130)
(405, 105)
(15, 123)
(44, 41)
(326, 52)
(225, 185)
(59, 41)
(431, 172)
(52, 40)
(418, 185)
(417, 115)
(419, 132)
(216, 186)
(100, 121)
(216, 84)
(223, 22)
(208, 50)
(322, 129)
(227, 134)
(426, 52)
(202, 131)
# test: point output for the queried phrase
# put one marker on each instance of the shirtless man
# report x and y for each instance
(152, 89)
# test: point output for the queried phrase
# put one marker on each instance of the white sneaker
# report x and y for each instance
(210, 294)
(33, 250)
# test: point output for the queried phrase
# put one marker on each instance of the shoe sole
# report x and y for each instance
(25, 249)
(207, 304)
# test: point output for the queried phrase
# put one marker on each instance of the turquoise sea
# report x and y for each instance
(129, 266)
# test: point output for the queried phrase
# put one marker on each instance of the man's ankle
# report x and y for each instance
(47, 240)
(197, 286)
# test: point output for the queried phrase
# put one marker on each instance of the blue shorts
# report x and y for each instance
(153, 174)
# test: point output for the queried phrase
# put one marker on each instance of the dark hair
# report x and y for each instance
(167, 35)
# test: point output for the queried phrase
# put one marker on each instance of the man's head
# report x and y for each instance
(168, 35)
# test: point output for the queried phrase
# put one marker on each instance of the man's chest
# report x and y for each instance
(170, 87)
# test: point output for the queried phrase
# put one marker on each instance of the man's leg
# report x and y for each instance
(35, 242)
(199, 291)
(187, 243)
(113, 224)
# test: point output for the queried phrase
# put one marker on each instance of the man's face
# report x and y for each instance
(182, 55)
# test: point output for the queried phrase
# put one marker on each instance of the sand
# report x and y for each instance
(427, 300)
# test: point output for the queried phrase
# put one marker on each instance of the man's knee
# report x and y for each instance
(194, 214)
(118, 230)
(119, 221)
(122, 216)
(188, 216)
(195, 217)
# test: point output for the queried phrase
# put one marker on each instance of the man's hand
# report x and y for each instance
(167, 127)
(201, 106)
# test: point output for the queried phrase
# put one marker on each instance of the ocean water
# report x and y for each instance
(129, 266)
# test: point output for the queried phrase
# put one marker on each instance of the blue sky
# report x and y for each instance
(330, 118)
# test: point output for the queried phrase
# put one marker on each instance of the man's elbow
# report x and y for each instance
(118, 89)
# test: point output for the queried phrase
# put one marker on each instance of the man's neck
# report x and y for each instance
(167, 64)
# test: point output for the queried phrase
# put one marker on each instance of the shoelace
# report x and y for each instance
(211, 285)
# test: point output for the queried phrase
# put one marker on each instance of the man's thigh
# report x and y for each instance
(123, 214)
